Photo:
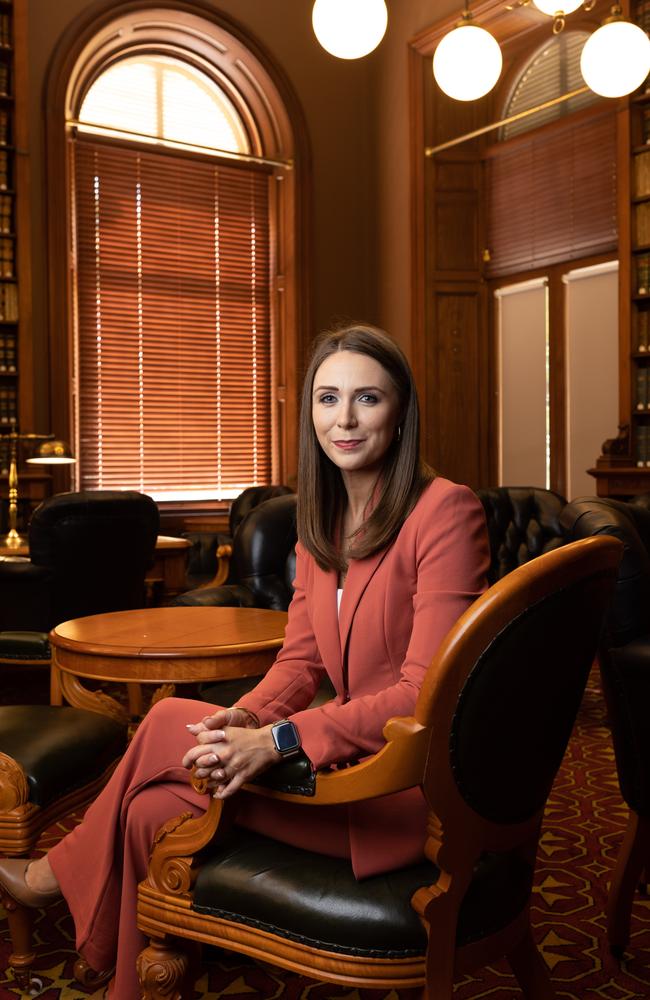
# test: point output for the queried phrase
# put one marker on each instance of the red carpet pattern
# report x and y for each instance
(582, 833)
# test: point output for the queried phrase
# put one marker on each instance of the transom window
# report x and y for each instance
(158, 98)
(553, 71)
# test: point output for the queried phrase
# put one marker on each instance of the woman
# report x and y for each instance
(389, 556)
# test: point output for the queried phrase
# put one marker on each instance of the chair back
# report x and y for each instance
(501, 697)
(251, 497)
(585, 517)
(625, 653)
(97, 547)
(263, 555)
(523, 522)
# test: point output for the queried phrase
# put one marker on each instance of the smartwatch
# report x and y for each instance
(286, 738)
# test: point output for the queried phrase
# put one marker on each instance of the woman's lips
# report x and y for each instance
(348, 445)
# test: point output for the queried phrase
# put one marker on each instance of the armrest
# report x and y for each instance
(223, 554)
(398, 765)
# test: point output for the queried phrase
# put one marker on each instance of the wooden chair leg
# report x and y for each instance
(20, 931)
(629, 864)
(530, 970)
(164, 971)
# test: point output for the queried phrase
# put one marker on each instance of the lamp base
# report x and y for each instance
(13, 540)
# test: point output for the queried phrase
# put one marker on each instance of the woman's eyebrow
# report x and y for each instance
(361, 388)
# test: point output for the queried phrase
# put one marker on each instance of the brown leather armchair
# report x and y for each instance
(488, 733)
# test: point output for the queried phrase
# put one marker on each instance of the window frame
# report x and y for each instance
(274, 121)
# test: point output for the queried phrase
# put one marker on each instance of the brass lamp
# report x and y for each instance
(50, 451)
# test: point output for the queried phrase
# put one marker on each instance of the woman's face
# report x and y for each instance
(354, 409)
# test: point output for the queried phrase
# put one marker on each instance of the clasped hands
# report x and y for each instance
(230, 750)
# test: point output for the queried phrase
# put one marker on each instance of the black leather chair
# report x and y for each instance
(625, 671)
(88, 554)
(211, 552)
(523, 522)
(262, 564)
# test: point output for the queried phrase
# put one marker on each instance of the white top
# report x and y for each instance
(339, 595)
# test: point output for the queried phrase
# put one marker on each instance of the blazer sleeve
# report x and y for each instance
(294, 677)
(452, 558)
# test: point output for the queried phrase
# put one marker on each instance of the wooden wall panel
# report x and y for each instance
(454, 374)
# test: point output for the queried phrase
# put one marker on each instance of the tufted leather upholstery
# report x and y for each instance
(202, 560)
(523, 522)
(263, 561)
(89, 553)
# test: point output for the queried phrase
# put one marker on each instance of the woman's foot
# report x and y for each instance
(33, 888)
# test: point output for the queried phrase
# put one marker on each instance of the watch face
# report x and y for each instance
(285, 736)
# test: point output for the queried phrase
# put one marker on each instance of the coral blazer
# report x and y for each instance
(396, 608)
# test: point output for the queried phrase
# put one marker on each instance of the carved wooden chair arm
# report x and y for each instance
(223, 554)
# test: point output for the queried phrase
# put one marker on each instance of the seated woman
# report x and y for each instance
(389, 556)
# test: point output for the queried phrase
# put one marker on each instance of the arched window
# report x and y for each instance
(181, 180)
(552, 71)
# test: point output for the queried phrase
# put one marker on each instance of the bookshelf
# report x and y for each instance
(16, 351)
(623, 470)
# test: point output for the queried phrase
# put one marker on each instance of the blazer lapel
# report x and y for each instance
(360, 573)
(324, 618)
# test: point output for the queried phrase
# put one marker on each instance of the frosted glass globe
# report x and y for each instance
(467, 62)
(557, 7)
(615, 60)
(349, 29)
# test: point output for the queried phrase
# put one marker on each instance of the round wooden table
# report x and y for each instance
(162, 646)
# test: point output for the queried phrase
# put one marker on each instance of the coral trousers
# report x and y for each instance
(100, 863)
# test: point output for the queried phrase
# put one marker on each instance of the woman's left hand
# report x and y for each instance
(231, 756)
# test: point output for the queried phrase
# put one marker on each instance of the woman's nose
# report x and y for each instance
(346, 417)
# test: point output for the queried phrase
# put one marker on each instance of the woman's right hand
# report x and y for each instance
(224, 717)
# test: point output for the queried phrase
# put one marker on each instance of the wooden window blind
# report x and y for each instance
(173, 324)
(552, 197)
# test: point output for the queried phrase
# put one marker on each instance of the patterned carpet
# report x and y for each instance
(582, 833)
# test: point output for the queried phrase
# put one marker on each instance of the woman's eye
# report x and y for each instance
(368, 397)
(327, 397)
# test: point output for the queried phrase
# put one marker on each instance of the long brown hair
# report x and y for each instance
(321, 493)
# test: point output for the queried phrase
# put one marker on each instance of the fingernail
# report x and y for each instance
(213, 758)
(219, 733)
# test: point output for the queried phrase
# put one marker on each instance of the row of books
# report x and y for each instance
(642, 276)
(8, 406)
(5, 31)
(642, 223)
(643, 445)
(5, 458)
(642, 395)
(8, 353)
(5, 176)
(8, 303)
(642, 174)
(645, 126)
(5, 133)
(5, 80)
(642, 340)
(6, 213)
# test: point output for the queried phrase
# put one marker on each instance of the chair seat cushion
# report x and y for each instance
(316, 900)
(58, 747)
(24, 646)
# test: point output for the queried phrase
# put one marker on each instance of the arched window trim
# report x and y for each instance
(275, 124)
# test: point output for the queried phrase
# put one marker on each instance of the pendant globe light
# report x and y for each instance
(615, 60)
(467, 62)
(349, 29)
(557, 8)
